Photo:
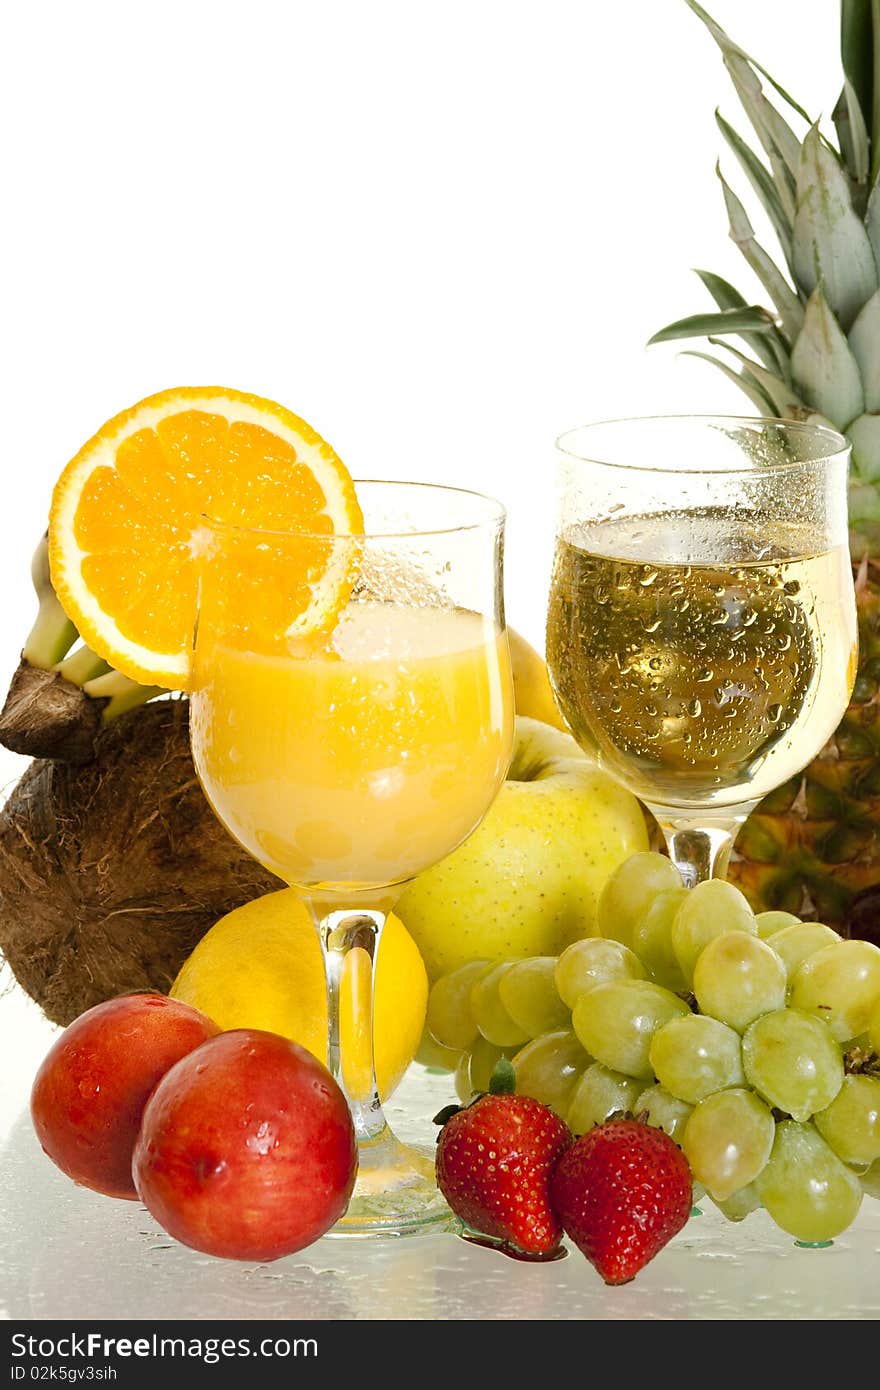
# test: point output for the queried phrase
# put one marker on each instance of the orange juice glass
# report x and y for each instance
(348, 761)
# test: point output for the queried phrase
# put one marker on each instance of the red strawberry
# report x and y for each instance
(621, 1192)
(494, 1161)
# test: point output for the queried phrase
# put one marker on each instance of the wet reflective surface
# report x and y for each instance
(68, 1253)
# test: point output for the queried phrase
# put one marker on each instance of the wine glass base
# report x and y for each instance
(396, 1192)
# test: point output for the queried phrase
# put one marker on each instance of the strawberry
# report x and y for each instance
(622, 1191)
(494, 1161)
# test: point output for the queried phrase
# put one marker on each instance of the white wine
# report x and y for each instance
(702, 658)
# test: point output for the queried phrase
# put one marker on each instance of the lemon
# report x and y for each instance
(260, 967)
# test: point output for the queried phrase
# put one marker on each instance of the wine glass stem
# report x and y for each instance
(700, 846)
(350, 941)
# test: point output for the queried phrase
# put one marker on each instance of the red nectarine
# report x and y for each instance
(247, 1148)
(91, 1088)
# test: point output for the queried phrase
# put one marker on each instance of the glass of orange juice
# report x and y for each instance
(350, 760)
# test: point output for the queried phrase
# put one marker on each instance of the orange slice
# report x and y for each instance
(128, 530)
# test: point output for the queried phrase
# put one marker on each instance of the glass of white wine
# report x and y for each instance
(701, 633)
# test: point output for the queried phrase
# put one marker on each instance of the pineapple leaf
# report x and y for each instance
(823, 367)
(874, 49)
(857, 52)
(778, 140)
(742, 234)
(782, 398)
(864, 340)
(745, 381)
(727, 45)
(752, 319)
(726, 296)
(864, 436)
(831, 245)
(863, 503)
(772, 350)
(762, 184)
(853, 133)
(785, 186)
(872, 221)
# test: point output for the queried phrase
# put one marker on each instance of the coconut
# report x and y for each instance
(113, 869)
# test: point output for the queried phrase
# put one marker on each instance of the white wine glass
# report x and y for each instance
(701, 634)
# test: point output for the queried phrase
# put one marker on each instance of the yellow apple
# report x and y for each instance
(533, 695)
(527, 881)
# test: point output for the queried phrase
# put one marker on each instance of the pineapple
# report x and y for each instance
(813, 846)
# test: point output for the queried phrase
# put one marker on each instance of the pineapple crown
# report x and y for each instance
(816, 353)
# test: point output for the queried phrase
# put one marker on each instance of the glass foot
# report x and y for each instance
(396, 1193)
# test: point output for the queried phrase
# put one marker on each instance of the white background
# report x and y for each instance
(442, 233)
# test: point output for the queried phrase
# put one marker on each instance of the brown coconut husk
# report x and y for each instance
(46, 716)
(112, 870)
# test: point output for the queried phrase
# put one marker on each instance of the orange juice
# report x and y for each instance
(358, 761)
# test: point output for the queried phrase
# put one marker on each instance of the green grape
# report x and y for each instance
(474, 1071)
(693, 1056)
(629, 892)
(663, 1110)
(840, 984)
(741, 1204)
(737, 978)
(874, 1028)
(615, 1022)
(435, 1056)
(851, 1123)
(463, 1088)
(449, 1019)
(598, 1094)
(548, 1068)
(493, 1020)
(727, 1141)
(805, 1187)
(791, 1059)
(871, 1180)
(528, 992)
(591, 962)
(652, 939)
(793, 944)
(709, 910)
(771, 922)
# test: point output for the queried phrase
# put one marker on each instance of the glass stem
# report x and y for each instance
(350, 941)
(700, 846)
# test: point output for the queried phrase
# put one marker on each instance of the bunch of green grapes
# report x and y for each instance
(754, 1042)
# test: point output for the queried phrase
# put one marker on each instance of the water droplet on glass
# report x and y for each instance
(695, 709)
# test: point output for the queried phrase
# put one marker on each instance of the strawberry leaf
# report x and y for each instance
(503, 1079)
(445, 1114)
